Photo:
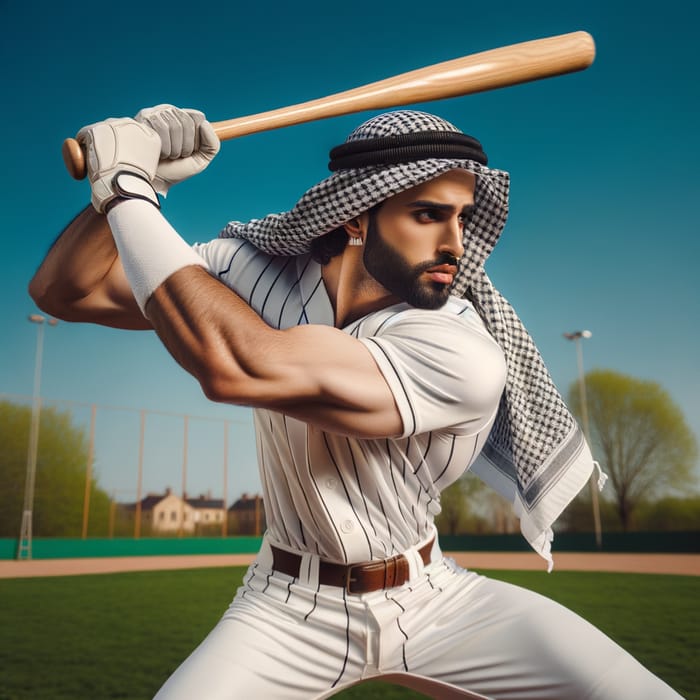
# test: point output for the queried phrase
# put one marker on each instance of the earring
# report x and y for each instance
(355, 241)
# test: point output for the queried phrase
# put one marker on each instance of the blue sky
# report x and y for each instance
(603, 232)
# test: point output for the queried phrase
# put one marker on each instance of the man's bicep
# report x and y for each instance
(335, 384)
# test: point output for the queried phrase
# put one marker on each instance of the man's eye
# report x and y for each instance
(464, 219)
(427, 215)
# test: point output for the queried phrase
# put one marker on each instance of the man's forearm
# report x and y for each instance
(76, 263)
(212, 333)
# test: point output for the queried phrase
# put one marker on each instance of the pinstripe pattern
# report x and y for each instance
(299, 641)
(288, 637)
(351, 500)
(401, 630)
(536, 455)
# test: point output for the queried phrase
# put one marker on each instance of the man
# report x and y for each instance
(381, 363)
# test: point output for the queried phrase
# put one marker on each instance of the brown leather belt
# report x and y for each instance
(363, 577)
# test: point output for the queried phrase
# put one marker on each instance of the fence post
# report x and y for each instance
(88, 471)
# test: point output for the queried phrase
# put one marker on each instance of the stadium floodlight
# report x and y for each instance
(577, 336)
(24, 544)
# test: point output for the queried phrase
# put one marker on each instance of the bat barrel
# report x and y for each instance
(488, 70)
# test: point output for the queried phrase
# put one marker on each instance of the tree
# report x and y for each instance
(640, 437)
(455, 509)
(469, 506)
(578, 515)
(60, 474)
(671, 513)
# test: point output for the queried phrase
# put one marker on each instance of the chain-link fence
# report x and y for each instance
(110, 471)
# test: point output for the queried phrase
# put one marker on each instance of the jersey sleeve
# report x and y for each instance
(445, 371)
(235, 262)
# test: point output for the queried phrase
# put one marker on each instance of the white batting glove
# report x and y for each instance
(188, 143)
(120, 146)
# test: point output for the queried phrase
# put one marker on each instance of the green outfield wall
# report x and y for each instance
(68, 548)
(651, 542)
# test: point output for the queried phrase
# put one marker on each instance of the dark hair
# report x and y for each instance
(329, 245)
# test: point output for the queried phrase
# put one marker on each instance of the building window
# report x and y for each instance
(173, 515)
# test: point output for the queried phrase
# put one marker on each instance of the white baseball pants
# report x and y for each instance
(448, 633)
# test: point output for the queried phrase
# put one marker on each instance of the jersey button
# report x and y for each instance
(347, 526)
(331, 483)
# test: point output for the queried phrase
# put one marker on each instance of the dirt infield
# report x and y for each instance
(681, 564)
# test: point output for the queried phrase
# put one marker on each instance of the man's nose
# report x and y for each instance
(452, 240)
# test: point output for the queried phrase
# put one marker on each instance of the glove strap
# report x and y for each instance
(128, 185)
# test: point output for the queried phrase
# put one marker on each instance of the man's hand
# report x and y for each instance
(118, 145)
(188, 143)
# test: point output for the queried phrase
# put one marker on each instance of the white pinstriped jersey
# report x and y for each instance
(349, 499)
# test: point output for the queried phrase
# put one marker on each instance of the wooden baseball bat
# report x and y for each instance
(488, 70)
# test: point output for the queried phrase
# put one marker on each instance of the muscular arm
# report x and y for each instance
(81, 277)
(317, 374)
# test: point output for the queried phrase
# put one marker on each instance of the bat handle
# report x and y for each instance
(74, 158)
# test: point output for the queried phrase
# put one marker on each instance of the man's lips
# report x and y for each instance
(443, 274)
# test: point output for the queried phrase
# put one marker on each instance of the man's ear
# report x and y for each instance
(356, 226)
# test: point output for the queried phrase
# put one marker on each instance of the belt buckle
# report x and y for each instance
(350, 579)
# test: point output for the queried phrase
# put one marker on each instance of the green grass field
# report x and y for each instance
(119, 636)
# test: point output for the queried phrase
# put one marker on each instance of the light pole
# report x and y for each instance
(577, 336)
(24, 546)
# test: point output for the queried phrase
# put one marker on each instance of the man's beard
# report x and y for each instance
(386, 264)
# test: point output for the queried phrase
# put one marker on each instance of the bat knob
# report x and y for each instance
(74, 158)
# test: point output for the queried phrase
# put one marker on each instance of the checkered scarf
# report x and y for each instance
(536, 455)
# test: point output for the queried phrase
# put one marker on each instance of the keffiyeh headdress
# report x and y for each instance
(535, 455)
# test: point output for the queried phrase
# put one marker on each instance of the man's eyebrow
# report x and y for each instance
(429, 204)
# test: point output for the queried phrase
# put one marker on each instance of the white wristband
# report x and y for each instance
(149, 247)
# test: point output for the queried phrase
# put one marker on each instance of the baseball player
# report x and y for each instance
(381, 363)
